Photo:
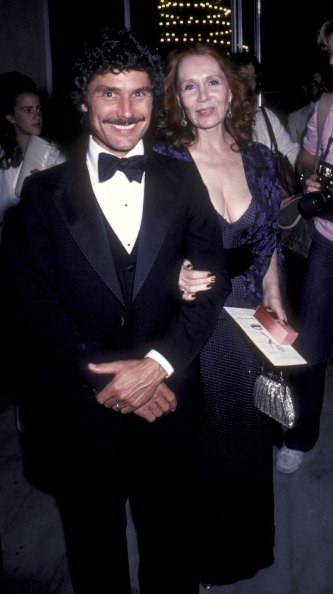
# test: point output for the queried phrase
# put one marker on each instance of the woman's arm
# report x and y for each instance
(192, 281)
(271, 290)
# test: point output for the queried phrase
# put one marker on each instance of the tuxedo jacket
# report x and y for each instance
(70, 305)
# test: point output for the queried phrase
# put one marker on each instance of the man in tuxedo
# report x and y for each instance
(114, 402)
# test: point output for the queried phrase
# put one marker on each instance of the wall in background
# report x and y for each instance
(25, 40)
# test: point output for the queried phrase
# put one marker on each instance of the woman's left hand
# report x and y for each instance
(271, 290)
(274, 303)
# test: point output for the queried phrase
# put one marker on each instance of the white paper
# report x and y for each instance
(279, 355)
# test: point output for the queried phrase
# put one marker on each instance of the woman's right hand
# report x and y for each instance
(192, 281)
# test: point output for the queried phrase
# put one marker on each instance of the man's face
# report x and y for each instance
(119, 108)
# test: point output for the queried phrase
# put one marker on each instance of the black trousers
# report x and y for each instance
(152, 466)
(314, 343)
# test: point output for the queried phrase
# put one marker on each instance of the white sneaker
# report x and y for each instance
(288, 460)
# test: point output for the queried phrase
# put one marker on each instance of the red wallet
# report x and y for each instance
(282, 332)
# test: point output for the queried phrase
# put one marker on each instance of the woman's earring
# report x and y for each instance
(183, 120)
(229, 112)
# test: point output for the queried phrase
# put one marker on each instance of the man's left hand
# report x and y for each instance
(163, 402)
(133, 384)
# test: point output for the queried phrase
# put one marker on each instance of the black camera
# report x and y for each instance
(319, 203)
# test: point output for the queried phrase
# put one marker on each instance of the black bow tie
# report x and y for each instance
(133, 167)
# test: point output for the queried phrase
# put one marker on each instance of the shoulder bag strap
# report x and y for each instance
(270, 130)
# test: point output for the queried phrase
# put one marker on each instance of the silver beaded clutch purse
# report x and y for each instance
(272, 396)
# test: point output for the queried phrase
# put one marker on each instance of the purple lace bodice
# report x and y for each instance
(257, 227)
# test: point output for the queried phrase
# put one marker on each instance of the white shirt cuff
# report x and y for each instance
(161, 360)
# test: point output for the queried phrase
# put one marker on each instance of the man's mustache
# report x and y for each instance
(124, 121)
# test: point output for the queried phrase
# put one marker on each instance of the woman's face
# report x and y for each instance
(203, 91)
(27, 116)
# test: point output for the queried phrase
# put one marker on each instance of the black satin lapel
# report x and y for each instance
(156, 218)
(88, 230)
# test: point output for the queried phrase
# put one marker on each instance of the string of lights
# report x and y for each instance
(188, 22)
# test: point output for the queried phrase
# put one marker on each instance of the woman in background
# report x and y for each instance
(207, 116)
(20, 118)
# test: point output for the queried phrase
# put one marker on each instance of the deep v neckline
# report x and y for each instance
(247, 181)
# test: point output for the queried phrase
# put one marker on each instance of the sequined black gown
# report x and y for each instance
(235, 503)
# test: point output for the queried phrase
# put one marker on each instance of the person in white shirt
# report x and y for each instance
(315, 319)
(20, 118)
(248, 70)
(297, 120)
(114, 401)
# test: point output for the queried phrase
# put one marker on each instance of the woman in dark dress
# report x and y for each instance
(207, 117)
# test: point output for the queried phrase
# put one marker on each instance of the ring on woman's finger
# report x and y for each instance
(116, 407)
(183, 291)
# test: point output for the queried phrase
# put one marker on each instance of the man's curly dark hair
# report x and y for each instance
(114, 50)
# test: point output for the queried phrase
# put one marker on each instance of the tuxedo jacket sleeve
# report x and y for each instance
(67, 289)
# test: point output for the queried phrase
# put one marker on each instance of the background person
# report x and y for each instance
(207, 118)
(297, 120)
(115, 402)
(315, 314)
(248, 69)
(20, 118)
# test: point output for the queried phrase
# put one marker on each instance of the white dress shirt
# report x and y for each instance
(121, 202)
(124, 210)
